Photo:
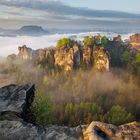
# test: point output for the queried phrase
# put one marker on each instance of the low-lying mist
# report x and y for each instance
(105, 88)
(9, 45)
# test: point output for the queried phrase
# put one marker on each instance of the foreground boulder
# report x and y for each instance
(15, 101)
(103, 131)
(20, 130)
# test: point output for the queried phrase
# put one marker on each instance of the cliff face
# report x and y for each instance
(117, 39)
(87, 54)
(101, 59)
(25, 53)
(135, 38)
(41, 56)
(134, 44)
(15, 102)
(67, 57)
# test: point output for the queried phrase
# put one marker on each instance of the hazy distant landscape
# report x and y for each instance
(45, 40)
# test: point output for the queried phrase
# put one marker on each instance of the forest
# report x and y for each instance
(84, 94)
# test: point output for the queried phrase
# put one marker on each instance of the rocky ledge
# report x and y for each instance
(15, 102)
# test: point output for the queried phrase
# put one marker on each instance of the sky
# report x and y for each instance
(69, 14)
(118, 5)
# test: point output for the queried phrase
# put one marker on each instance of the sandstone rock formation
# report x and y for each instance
(87, 52)
(64, 57)
(15, 102)
(135, 42)
(67, 57)
(40, 56)
(101, 59)
(135, 38)
(117, 38)
(103, 131)
(25, 53)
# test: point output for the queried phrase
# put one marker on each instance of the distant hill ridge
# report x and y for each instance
(31, 29)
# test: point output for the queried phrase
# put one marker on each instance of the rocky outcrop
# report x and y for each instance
(117, 38)
(87, 54)
(68, 57)
(25, 53)
(40, 56)
(134, 44)
(15, 102)
(19, 130)
(135, 38)
(101, 59)
(103, 131)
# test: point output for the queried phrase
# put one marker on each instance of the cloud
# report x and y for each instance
(55, 14)
(57, 7)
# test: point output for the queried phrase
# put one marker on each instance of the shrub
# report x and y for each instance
(88, 41)
(65, 42)
(118, 115)
(104, 41)
(126, 57)
(42, 109)
(83, 112)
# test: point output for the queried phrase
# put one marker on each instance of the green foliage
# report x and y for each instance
(88, 41)
(65, 42)
(42, 109)
(11, 58)
(136, 65)
(79, 113)
(104, 41)
(116, 51)
(118, 115)
(126, 57)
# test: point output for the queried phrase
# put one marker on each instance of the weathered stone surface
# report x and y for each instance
(103, 131)
(87, 54)
(40, 56)
(117, 38)
(19, 130)
(67, 57)
(135, 38)
(134, 44)
(15, 101)
(101, 59)
(25, 53)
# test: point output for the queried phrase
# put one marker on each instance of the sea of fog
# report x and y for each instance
(9, 45)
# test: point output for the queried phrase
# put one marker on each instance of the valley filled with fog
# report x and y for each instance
(9, 45)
